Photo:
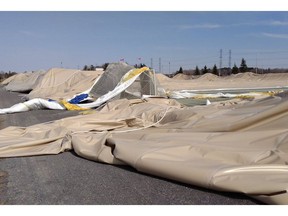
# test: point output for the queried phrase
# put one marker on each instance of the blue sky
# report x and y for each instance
(32, 40)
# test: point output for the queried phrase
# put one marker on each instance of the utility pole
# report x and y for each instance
(229, 62)
(160, 65)
(169, 67)
(151, 64)
(230, 59)
(256, 63)
(220, 65)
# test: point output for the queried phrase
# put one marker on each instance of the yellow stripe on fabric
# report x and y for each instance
(133, 73)
(70, 106)
(269, 93)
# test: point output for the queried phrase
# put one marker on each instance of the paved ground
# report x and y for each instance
(70, 180)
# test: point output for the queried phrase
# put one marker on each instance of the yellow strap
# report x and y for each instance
(270, 93)
(133, 73)
(70, 106)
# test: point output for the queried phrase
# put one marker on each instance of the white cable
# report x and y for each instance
(125, 131)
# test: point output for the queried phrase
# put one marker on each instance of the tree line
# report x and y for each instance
(5, 75)
(226, 71)
(92, 67)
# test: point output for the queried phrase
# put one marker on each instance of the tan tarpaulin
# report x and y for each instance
(210, 81)
(24, 82)
(9, 79)
(237, 146)
(59, 83)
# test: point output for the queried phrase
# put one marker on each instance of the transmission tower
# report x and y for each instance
(230, 62)
(160, 65)
(230, 59)
(220, 64)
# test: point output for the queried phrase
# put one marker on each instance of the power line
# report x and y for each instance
(188, 59)
(261, 52)
(263, 58)
(220, 64)
(160, 66)
(229, 58)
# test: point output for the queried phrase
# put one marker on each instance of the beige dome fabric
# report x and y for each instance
(237, 145)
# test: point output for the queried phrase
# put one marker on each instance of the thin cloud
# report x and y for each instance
(214, 26)
(200, 26)
(279, 23)
(271, 35)
(264, 23)
(181, 48)
(261, 23)
(28, 33)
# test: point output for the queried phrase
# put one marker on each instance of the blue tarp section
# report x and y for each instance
(78, 98)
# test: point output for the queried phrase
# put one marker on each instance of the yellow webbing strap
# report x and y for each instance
(70, 106)
(270, 93)
(133, 73)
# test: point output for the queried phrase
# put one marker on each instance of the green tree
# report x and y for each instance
(85, 68)
(204, 70)
(180, 70)
(235, 69)
(92, 67)
(139, 65)
(197, 71)
(105, 65)
(243, 66)
(215, 70)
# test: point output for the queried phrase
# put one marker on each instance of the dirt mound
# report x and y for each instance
(275, 76)
(208, 77)
(241, 80)
(8, 80)
(246, 75)
(182, 77)
(162, 77)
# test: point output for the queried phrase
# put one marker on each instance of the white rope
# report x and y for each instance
(148, 126)
(126, 131)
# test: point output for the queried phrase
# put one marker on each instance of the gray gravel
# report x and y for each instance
(67, 179)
